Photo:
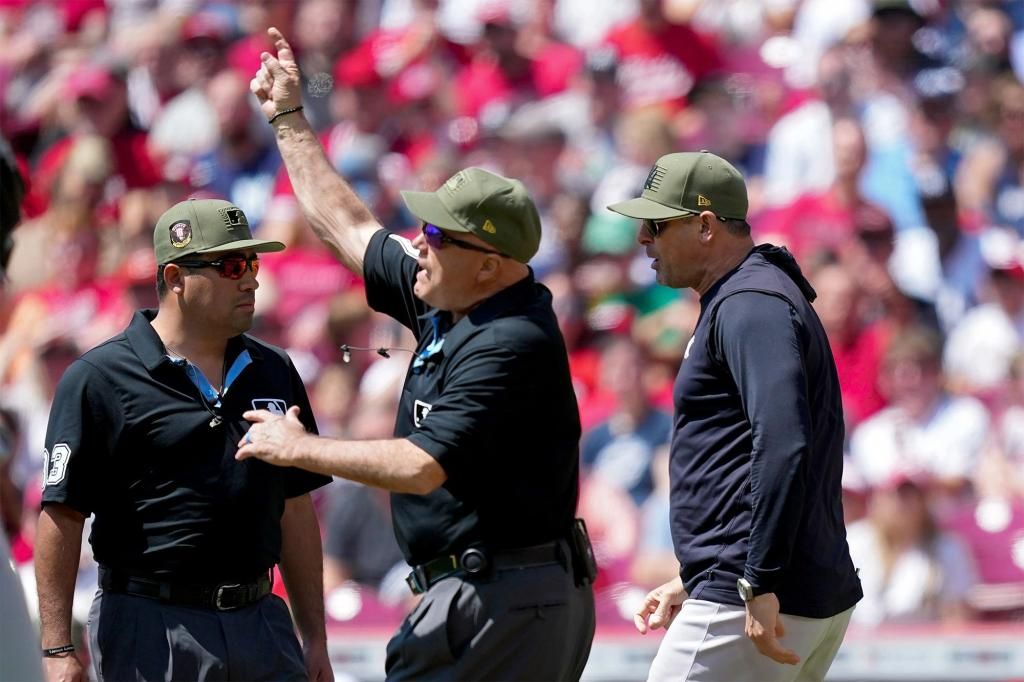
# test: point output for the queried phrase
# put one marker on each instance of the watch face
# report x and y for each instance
(745, 589)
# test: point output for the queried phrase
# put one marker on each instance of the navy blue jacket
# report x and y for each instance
(757, 448)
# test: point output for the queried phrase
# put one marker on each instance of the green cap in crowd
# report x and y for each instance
(687, 183)
(496, 209)
(203, 226)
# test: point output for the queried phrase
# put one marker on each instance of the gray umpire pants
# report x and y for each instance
(135, 638)
(528, 623)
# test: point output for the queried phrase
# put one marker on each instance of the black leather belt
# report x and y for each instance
(475, 561)
(223, 597)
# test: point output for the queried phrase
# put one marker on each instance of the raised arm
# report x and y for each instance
(335, 212)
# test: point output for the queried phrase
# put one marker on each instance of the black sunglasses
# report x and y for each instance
(229, 267)
(655, 227)
(436, 239)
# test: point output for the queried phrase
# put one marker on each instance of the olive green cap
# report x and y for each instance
(496, 209)
(687, 183)
(203, 226)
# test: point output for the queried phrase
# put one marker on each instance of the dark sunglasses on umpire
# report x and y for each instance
(228, 267)
(436, 239)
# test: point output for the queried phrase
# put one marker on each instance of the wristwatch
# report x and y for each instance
(745, 589)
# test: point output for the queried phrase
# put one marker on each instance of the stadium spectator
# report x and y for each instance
(857, 344)
(243, 166)
(621, 448)
(654, 561)
(911, 571)
(924, 429)
(794, 162)
(660, 61)
(983, 344)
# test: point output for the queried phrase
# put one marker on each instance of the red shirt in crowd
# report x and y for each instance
(661, 65)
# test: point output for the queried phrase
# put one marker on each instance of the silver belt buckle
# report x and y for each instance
(220, 593)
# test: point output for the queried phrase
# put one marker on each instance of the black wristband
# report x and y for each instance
(282, 113)
(58, 650)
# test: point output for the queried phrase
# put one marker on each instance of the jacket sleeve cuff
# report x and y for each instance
(762, 581)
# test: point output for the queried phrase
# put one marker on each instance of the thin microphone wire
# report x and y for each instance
(383, 351)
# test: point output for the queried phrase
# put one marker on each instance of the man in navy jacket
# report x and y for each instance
(756, 462)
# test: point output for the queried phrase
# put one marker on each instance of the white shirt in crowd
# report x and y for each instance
(945, 444)
(981, 348)
(918, 584)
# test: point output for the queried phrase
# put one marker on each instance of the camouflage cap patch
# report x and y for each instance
(181, 234)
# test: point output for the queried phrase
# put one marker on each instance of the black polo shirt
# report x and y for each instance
(131, 440)
(757, 453)
(492, 402)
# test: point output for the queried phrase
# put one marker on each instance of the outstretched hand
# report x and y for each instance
(272, 437)
(277, 85)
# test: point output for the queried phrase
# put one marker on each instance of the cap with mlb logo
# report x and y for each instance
(496, 209)
(205, 226)
(687, 183)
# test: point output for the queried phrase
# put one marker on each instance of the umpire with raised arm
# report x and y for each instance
(141, 436)
(757, 451)
(485, 460)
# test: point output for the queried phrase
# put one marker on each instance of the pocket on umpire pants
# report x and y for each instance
(282, 657)
(113, 638)
(420, 650)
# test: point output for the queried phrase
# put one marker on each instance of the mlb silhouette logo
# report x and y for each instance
(233, 217)
(420, 410)
(273, 405)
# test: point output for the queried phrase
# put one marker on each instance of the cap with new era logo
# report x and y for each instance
(496, 209)
(204, 226)
(687, 183)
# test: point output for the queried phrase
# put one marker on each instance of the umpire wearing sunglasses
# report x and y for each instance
(142, 437)
(483, 465)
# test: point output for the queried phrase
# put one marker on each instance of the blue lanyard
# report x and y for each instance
(209, 393)
(436, 341)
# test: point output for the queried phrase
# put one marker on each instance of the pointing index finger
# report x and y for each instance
(284, 50)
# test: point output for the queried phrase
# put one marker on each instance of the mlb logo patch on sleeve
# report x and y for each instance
(57, 463)
(420, 411)
(274, 405)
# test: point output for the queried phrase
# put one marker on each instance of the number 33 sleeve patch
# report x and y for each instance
(85, 419)
(56, 463)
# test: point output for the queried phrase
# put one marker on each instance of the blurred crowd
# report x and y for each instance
(882, 141)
